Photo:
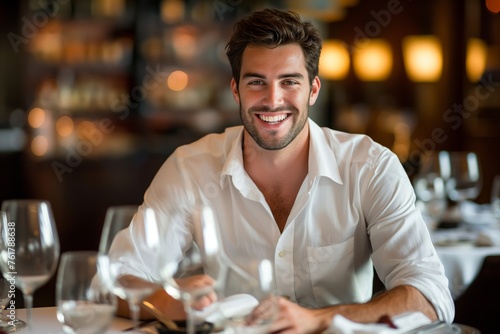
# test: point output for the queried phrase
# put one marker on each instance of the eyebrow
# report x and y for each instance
(282, 76)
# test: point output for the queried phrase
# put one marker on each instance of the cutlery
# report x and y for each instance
(159, 315)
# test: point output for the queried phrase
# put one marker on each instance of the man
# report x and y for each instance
(321, 204)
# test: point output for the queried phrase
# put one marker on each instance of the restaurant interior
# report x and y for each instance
(96, 94)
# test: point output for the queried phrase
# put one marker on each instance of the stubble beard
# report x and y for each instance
(275, 144)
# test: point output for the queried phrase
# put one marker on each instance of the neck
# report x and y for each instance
(296, 154)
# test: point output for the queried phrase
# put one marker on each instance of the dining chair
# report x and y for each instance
(479, 305)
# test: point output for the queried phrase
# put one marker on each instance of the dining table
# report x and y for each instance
(44, 321)
(462, 250)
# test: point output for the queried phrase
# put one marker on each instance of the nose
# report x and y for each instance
(274, 96)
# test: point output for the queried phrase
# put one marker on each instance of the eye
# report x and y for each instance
(290, 82)
(255, 82)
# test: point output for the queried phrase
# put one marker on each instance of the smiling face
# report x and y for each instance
(274, 94)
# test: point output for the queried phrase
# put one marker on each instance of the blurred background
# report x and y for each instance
(96, 94)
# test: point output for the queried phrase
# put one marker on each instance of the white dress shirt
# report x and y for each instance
(354, 211)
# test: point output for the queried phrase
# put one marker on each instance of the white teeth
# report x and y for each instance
(272, 119)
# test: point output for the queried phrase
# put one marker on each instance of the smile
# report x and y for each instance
(273, 119)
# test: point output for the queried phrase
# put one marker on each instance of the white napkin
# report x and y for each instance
(404, 322)
(234, 306)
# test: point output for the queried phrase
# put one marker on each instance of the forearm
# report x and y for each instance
(172, 308)
(393, 302)
(293, 318)
(159, 298)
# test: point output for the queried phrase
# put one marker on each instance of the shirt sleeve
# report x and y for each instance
(169, 195)
(403, 253)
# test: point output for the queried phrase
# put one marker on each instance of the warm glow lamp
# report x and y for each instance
(476, 56)
(423, 58)
(334, 60)
(373, 60)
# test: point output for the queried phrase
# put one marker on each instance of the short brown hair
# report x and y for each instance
(272, 28)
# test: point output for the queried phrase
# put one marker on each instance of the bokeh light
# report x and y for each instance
(493, 6)
(39, 145)
(36, 117)
(177, 80)
(64, 126)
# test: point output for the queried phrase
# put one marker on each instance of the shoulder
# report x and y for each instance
(214, 144)
(355, 147)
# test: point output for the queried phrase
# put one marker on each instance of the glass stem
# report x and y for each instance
(189, 316)
(28, 301)
(134, 314)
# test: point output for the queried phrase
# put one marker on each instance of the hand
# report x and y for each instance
(293, 318)
(266, 309)
(202, 289)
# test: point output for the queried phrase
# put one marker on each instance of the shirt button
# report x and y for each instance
(286, 297)
(281, 254)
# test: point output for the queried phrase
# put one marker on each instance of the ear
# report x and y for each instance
(315, 87)
(234, 90)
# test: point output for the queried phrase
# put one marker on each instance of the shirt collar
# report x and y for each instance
(322, 160)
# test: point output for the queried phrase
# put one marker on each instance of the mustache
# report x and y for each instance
(268, 109)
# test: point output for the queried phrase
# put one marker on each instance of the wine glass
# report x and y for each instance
(8, 322)
(247, 299)
(245, 286)
(111, 267)
(464, 181)
(431, 197)
(84, 303)
(29, 246)
(186, 282)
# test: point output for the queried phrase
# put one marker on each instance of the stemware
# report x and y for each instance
(464, 176)
(8, 322)
(431, 197)
(118, 218)
(29, 246)
(185, 282)
(244, 291)
(84, 304)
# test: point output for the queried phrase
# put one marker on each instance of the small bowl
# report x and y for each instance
(203, 328)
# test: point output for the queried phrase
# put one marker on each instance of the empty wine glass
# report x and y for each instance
(8, 323)
(84, 304)
(186, 282)
(245, 287)
(29, 246)
(464, 181)
(111, 267)
(247, 298)
(431, 198)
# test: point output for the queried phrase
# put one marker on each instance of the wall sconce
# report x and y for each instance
(373, 60)
(476, 56)
(423, 58)
(334, 60)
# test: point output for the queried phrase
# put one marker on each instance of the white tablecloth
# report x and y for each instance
(45, 322)
(461, 258)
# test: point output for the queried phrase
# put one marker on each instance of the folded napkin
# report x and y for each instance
(403, 322)
(235, 306)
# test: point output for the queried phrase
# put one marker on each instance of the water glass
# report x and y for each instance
(84, 304)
